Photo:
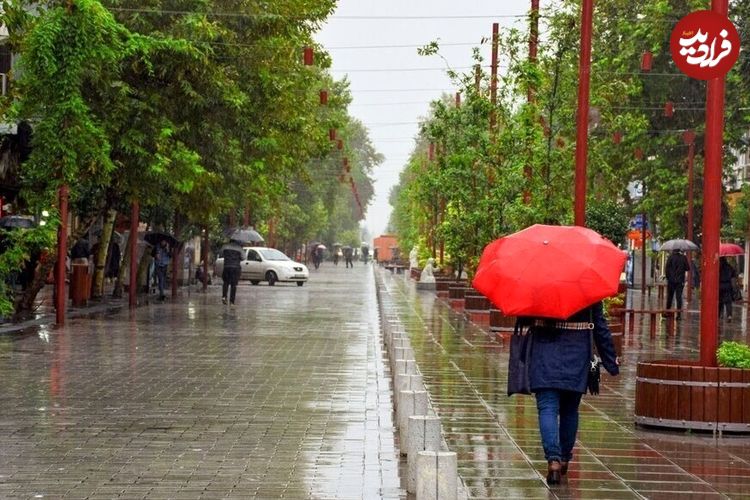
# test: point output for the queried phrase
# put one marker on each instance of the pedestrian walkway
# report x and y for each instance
(283, 395)
(496, 437)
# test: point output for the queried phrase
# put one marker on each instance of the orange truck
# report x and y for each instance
(383, 247)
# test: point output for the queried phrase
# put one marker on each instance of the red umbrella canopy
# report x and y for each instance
(549, 271)
(727, 249)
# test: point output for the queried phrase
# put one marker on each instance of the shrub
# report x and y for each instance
(733, 355)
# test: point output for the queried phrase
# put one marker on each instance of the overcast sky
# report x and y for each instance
(360, 36)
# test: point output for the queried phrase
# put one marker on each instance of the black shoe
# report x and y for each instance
(553, 472)
(223, 300)
(563, 468)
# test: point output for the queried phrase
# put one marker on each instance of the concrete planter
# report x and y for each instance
(680, 394)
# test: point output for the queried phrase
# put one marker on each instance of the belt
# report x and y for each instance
(565, 325)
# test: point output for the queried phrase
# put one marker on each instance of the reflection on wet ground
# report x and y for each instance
(284, 395)
(496, 437)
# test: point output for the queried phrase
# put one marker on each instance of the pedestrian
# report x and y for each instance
(230, 275)
(162, 255)
(727, 275)
(80, 252)
(696, 273)
(336, 256)
(365, 254)
(348, 257)
(560, 360)
(677, 266)
(113, 260)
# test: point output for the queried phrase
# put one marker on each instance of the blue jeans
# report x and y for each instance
(558, 422)
(161, 278)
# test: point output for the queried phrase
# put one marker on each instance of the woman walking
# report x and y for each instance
(561, 353)
(727, 275)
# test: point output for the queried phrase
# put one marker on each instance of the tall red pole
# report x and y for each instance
(712, 189)
(135, 212)
(176, 267)
(493, 75)
(205, 248)
(689, 138)
(582, 134)
(533, 43)
(62, 253)
(643, 254)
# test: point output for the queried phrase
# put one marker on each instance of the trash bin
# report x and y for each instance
(79, 285)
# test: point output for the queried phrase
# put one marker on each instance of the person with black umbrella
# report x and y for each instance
(677, 266)
(230, 276)
(162, 257)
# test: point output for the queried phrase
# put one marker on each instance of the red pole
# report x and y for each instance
(533, 42)
(643, 255)
(493, 76)
(62, 253)
(689, 138)
(712, 190)
(205, 258)
(133, 244)
(458, 99)
(175, 257)
(231, 217)
(582, 135)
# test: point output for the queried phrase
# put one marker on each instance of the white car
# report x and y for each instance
(267, 264)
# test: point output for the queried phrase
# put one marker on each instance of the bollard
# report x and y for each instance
(437, 475)
(423, 434)
(407, 366)
(403, 353)
(406, 382)
(411, 403)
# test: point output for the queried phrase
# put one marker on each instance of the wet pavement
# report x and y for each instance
(496, 437)
(284, 395)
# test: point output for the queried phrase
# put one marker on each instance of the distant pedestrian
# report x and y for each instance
(113, 260)
(230, 275)
(558, 371)
(336, 256)
(162, 255)
(365, 254)
(348, 254)
(696, 273)
(677, 266)
(727, 275)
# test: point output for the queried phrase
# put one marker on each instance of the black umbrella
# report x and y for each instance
(16, 221)
(246, 236)
(156, 237)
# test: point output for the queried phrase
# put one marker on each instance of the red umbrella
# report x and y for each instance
(727, 249)
(549, 271)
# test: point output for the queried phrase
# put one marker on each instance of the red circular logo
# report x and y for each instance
(705, 45)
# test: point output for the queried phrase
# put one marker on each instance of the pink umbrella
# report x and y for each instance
(728, 249)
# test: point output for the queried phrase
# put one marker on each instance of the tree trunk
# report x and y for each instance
(143, 264)
(117, 290)
(100, 260)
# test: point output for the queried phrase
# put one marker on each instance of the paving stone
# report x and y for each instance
(284, 395)
(496, 438)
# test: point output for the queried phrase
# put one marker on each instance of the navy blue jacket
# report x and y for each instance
(560, 359)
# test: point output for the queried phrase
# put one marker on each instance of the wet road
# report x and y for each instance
(283, 395)
(497, 439)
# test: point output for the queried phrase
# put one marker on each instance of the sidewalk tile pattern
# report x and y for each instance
(496, 437)
(284, 395)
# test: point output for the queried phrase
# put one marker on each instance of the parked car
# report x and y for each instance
(267, 264)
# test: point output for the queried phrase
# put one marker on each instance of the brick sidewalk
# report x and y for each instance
(497, 438)
(285, 394)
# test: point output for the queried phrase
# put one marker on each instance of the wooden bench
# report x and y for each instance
(669, 314)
